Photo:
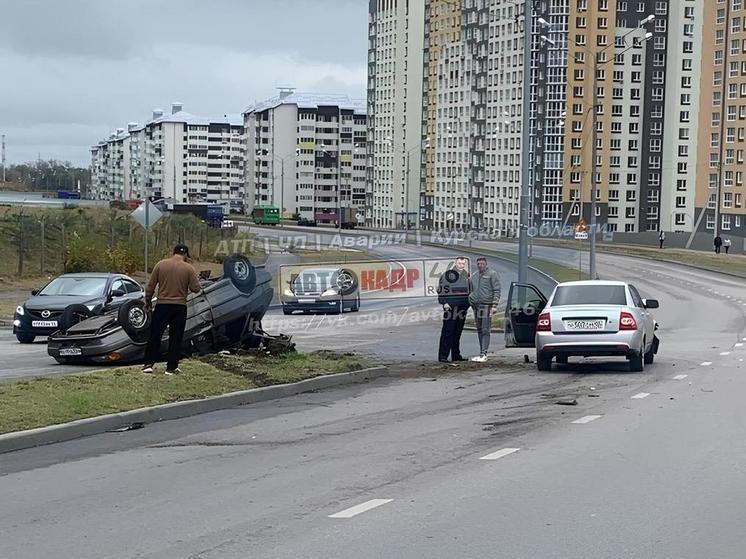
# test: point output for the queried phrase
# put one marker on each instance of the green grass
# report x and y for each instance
(27, 404)
(559, 272)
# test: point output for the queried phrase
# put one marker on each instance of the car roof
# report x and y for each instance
(90, 275)
(590, 282)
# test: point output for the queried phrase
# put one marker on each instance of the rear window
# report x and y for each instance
(590, 295)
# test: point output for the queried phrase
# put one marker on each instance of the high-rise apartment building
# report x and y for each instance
(177, 156)
(659, 73)
(306, 153)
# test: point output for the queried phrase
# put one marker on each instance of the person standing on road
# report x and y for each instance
(661, 238)
(718, 242)
(726, 245)
(453, 294)
(175, 278)
(484, 297)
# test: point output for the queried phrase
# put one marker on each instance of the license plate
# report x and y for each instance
(585, 324)
(44, 323)
(70, 351)
(306, 300)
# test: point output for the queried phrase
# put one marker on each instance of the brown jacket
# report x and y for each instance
(175, 279)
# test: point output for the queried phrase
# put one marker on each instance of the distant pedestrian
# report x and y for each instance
(175, 278)
(484, 297)
(718, 242)
(726, 244)
(661, 238)
(453, 294)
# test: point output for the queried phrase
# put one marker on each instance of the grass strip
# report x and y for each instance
(43, 401)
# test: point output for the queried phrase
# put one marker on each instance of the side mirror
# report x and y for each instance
(34, 292)
(650, 303)
(116, 293)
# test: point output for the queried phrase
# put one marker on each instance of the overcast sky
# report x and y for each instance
(71, 71)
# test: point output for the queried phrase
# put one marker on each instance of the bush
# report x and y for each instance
(83, 255)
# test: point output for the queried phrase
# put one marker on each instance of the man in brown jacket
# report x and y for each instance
(175, 278)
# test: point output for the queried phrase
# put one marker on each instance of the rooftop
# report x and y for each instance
(312, 101)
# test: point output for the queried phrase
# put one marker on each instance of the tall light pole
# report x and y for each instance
(525, 140)
(296, 153)
(423, 145)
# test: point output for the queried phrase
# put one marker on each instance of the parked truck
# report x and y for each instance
(212, 214)
(349, 218)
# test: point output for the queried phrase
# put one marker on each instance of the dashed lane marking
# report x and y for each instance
(680, 377)
(500, 453)
(725, 353)
(587, 419)
(361, 508)
(706, 363)
(641, 395)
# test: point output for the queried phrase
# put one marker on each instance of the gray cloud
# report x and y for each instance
(81, 68)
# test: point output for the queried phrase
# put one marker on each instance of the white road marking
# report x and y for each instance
(587, 419)
(706, 363)
(725, 353)
(361, 508)
(500, 453)
(641, 395)
(739, 344)
(680, 377)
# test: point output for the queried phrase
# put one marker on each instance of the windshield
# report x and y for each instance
(590, 295)
(75, 287)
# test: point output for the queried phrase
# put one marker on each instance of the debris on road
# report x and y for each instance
(130, 427)
(567, 402)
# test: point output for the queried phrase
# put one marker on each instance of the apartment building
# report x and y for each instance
(396, 139)
(721, 132)
(306, 153)
(635, 57)
(177, 156)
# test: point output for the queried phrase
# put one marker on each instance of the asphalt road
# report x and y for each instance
(392, 468)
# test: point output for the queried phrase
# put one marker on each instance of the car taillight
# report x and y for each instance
(544, 324)
(627, 321)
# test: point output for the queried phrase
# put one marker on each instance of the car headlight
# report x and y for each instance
(289, 293)
(20, 311)
(329, 292)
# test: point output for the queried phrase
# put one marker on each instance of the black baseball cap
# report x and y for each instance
(181, 249)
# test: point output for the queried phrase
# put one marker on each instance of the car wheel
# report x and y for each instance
(543, 361)
(135, 320)
(562, 359)
(347, 282)
(25, 338)
(287, 311)
(637, 361)
(72, 315)
(241, 272)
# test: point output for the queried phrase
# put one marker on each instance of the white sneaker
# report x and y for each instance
(479, 358)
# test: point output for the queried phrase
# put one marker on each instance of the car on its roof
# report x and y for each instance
(591, 318)
(66, 298)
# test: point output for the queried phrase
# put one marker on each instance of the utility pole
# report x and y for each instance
(525, 148)
(594, 172)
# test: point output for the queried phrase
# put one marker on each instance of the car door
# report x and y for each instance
(524, 305)
(646, 318)
(134, 290)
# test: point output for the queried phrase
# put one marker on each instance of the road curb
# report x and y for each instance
(96, 425)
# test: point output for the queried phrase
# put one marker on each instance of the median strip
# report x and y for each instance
(52, 409)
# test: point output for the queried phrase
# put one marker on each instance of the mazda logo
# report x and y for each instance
(45, 314)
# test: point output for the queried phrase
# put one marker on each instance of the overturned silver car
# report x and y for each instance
(227, 313)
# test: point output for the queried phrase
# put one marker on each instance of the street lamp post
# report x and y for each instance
(525, 140)
(406, 186)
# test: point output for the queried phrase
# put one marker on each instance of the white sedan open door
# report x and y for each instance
(525, 303)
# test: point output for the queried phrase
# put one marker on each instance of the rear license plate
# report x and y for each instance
(70, 351)
(306, 300)
(585, 324)
(44, 323)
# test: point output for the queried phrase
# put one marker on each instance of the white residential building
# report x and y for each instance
(300, 158)
(177, 156)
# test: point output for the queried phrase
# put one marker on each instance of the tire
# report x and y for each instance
(347, 282)
(649, 356)
(637, 361)
(286, 311)
(135, 320)
(241, 272)
(562, 359)
(543, 361)
(72, 315)
(25, 338)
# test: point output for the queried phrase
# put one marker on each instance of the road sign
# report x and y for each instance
(147, 220)
(581, 235)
